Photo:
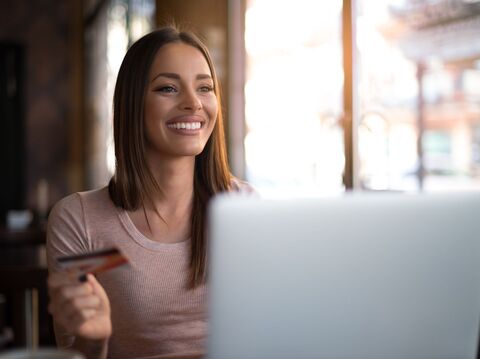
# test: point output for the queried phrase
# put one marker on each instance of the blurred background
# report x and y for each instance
(320, 97)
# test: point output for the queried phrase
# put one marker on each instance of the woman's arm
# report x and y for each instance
(81, 311)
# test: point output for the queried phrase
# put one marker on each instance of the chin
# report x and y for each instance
(190, 151)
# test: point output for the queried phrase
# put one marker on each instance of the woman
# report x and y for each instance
(170, 160)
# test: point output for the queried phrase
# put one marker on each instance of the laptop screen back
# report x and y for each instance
(371, 276)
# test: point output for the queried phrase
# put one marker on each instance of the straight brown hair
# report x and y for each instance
(133, 184)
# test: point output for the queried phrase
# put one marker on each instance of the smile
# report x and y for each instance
(185, 125)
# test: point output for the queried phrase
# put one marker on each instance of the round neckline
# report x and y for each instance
(143, 240)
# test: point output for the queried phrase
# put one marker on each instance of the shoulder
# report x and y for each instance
(237, 185)
(70, 220)
(99, 195)
(76, 202)
(70, 205)
(79, 206)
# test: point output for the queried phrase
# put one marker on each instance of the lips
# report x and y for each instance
(186, 124)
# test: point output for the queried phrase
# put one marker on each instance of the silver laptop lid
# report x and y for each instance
(374, 276)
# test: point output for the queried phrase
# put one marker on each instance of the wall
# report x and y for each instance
(43, 27)
(208, 19)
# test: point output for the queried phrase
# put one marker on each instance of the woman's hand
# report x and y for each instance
(82, 309)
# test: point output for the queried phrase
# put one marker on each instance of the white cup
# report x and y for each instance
(44, 353)
(19, 219)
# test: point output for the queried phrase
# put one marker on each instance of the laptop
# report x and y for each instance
(359, 276)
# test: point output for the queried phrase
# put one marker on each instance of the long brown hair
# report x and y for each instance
(133, 183)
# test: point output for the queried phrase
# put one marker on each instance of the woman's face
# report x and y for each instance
(180, 103)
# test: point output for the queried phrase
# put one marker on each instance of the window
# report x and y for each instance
(114, 26)
(416, 115)
(293, 97)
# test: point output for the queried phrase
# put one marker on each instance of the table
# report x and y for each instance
(23, 274)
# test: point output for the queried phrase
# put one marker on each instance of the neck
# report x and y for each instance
(166, 215)
(175, 178)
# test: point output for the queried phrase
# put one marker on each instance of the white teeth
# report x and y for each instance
(185, 125)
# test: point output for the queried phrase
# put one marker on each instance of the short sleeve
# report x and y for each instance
(66, 231)
(66, 235)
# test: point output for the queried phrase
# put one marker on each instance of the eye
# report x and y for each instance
(206, 88)
(166, 89)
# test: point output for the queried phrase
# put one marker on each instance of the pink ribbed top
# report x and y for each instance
(154, 315)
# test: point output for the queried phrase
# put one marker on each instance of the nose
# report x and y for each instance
(190, 101)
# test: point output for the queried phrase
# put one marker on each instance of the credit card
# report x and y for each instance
(93, 262)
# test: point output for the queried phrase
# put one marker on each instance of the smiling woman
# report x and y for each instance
(170, 161)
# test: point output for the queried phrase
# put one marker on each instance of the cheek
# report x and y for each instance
(211, 107)
(154, 107)
(153, 113)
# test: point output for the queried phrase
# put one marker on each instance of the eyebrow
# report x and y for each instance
(172, 75)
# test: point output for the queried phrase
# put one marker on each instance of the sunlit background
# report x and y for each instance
(417, 86)
(293, 95)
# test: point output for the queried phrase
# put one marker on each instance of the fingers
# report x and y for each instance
(76, 305)
(81, 308)
(61, 278)
(77, 319)
(69, 291)
(62, 288)
(72, 321)
(69, 298)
